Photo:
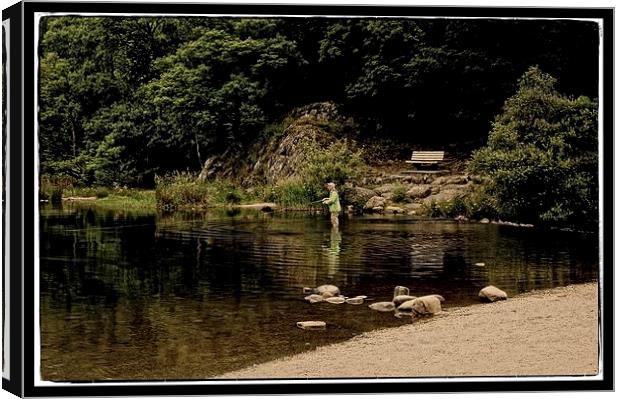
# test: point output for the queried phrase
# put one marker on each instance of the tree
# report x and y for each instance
(541, 158)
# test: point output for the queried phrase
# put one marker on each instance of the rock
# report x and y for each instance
(383, 306)
(386, 188)
(416, 192)
(400, 290)
(314, 298)
(335, 299)
(308, 290)
(355, 301)
(427, 305)
(356, 196)
(406, 306)
(484, 221)
(444, 195)
(327, 294)
(456, 180)
(394, 209)
(491, 293)
(480, 264)
(402, 298)
(375, 202)
(331, 289)
(312, 325)
(461, 218)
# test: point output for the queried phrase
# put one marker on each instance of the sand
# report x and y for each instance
(541, 333)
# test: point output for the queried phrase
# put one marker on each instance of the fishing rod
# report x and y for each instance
(316, 202)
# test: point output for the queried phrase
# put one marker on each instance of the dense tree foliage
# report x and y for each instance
(541, 157)
(124, 99)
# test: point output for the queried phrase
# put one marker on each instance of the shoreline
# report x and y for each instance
(538, 333)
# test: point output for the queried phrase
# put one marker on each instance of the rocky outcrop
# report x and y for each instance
(279, 158)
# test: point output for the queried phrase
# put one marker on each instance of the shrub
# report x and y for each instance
(541, 158)
(337, 162)
(101, 193)
(179, 190)
(399, 194)
(294, 193)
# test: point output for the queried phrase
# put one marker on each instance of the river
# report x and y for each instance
(141, 296)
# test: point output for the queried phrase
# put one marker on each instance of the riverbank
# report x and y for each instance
(541, 333)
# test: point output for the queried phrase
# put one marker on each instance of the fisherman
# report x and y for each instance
(333, 201)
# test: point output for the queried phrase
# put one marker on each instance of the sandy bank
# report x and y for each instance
(550, 332)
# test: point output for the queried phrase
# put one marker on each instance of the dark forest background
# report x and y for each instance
(140, 97)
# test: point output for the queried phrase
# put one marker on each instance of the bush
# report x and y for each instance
(337, 163)
(101, 193)
(181, 189)
(294, 193)
(185, 190)
(399, 194)
(541, 159)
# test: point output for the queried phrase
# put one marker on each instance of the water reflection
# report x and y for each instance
(333, 252)
(140, 296)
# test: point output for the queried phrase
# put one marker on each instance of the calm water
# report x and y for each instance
(126, 296)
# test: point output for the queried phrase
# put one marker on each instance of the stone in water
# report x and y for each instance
(402, 299)
(332, 289)
(383, 306)
(400, 290)
(427, 305)
(314, 298)
(335, 299)
(311, 325)
(355, 301)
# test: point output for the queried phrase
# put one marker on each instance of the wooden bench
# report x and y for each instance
(426, 157)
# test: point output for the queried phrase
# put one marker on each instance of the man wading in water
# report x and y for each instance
(333, 202)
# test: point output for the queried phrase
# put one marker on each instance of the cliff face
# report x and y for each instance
(277, 158)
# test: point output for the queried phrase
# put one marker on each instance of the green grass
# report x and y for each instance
(115, 198)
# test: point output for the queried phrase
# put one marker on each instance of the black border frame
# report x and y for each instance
(15, 383)
(277, 387)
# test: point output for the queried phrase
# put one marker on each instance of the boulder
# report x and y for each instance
(356, 196)
(374, 203)
(491, 294)
(386, 188)
(456, 179)
(416, 192)
(406, 306)
(312, 325)
(402, 298)
(484, 221)
(427, 305)
(328, 288)
(383, 306)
